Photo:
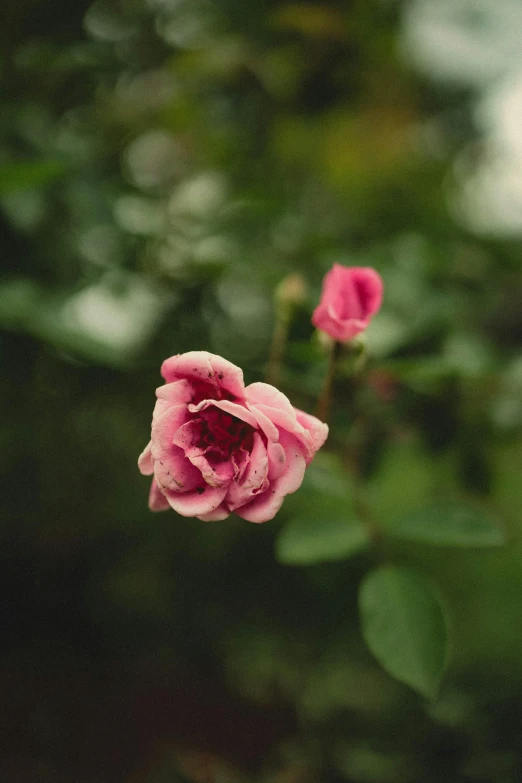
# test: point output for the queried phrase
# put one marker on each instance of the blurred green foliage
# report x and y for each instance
(164, 164)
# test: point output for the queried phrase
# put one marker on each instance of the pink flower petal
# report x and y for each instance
(283, 420)
(268, 427)
(221, 471)
(145, 463)
(344, 328)
(171, 469)
(219, 475)
(165, 424)
(289, 424)
(201, 502)
(240, 461)
(317, 429)
(245, 449)
(157, 500)
(175, 473)
(279, 411)
(239, 411)
(293, 475)
(220, 513)
(208, 368)
(349, 299)
(188, 438)
(254, 479)
(276, 460)
(265, 394)
(265, 506)
(172, 394)
(188, 435)
(369, 287)
(342, 292)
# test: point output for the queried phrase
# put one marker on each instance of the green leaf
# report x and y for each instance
(322, 526)
(404, 626)
(19, 298)
(29, 174)
(449, 524)
(319, 535)
(327, 479)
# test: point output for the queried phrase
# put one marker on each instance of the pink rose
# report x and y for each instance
(350, 297)
(218, 447)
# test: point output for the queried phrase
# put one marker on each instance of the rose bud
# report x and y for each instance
(349, 299)
(291, 291)
(217, 447)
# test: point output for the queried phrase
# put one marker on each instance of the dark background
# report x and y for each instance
(164, 164)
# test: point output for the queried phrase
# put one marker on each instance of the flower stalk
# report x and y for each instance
(290, 293)
(277, 348)
(325, 400)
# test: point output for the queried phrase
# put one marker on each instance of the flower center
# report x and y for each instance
(206, 391)
(222, 433)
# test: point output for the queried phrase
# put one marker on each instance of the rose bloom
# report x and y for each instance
(218, 447)
(350, 297)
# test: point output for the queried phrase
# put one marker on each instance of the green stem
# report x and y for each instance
(277, 349)
(356, 445)
(325, 400)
